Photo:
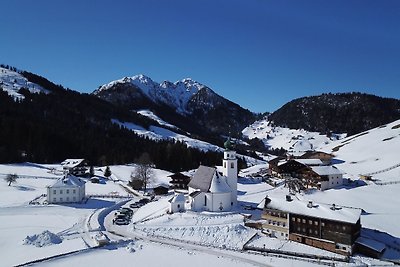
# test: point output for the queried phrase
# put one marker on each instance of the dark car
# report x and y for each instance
(121, 221)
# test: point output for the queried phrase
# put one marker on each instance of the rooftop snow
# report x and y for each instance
(202, 178)
(326, 170)
(68, 181)
(323, 211)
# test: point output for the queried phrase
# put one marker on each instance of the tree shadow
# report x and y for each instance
(92, 203)
(24, 188)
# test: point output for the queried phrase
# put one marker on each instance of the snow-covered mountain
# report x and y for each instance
(187, 104)
(292, 140)
(180, 95)
(12, 82)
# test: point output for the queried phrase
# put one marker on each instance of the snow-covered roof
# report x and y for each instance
(323, 211)
(202, 178)
(326, 170)
(178, 198)
(69, 181)
(71, 163)
(310, 162)
(219, 185)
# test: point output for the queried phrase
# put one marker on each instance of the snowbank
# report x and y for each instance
(46, 238)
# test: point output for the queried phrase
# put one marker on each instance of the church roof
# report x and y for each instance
(218, 185)
(202, 178)
(178, 198)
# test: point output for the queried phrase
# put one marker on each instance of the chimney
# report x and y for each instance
(310, 204)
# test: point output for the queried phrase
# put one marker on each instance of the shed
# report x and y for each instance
(161, 189)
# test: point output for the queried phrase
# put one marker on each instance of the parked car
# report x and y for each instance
(135, 205)
(144, 200)
(121, 221)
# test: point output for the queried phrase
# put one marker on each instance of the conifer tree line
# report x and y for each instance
(48, 128)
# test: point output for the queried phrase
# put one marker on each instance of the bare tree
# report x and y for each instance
(11, 178)
(143, 171)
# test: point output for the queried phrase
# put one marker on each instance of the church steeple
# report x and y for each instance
(230, 169)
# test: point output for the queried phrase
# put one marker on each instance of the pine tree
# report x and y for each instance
(107, 172)
(91, 171)
(11, 178)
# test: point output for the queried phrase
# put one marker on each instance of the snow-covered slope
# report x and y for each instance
(12, 81)
(373, 152)
(177, 94)
(292, 140)
(154, 117)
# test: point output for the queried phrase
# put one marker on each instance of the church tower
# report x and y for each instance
(230, 170)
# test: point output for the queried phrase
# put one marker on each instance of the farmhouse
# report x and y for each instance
(66, 190)
(326, 158)
(328, 227)
(325, 177)
(179, 181)
(77, 167)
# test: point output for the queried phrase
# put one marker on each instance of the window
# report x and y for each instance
(281, 234)
(344, 228)
(316, 232)
(61, 199)
(179, 206)
(54, 191)
(304, 220)
(298, 229)
(293, 219)
(232, 165)
(315, 222)
(283, 224)
(309, 222)
(322, 224)
(224, 164)
(54, 199)
(74, 191)
(67, 191)
(205, 200)
(60, 191)
(74, 198)
(67, 199)
(304, 229)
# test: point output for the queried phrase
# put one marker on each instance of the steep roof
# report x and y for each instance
(69, 181)
(219, 185)
(310, 162)
(202, 178)
(323, 211)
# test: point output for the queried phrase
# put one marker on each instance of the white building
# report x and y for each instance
(177, 203)
(211, 191)
(66, 190)
(329, 176)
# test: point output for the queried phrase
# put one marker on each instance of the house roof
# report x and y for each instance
(371, 244)
(219, 185)
(202, 178)
(195, 194)
(178, 198)
(323, 211)
(310, 162)
(326, 170)
(71, 163)
(69, 181)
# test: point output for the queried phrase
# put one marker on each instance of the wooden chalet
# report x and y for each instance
(328, 227)
(76, 167)
(179, 181)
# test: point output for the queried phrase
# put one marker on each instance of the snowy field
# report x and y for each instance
(75, 224)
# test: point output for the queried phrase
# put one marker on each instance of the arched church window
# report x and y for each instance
(232, 165)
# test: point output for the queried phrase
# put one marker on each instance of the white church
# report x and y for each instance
(209, 190)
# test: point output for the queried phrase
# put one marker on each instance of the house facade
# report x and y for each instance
(179, 181)
(68, 189)
(76, 167)
(328, 227)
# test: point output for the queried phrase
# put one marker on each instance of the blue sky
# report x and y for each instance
(257, 53)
